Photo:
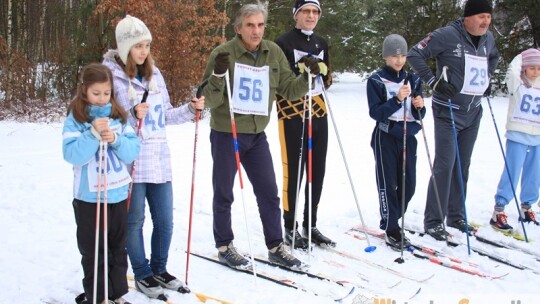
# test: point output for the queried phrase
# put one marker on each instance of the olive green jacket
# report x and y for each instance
(282, 81)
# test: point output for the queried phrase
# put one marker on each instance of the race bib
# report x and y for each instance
(153, 128)
(392, 89)
(527, 107)
(476, 78)
(116, 170)
(251, 88)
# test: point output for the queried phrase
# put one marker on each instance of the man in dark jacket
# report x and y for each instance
(466, 49)
(293, 124)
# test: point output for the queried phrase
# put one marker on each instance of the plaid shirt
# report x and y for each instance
(154, 162)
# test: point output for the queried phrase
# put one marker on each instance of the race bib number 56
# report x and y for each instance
(251, 88)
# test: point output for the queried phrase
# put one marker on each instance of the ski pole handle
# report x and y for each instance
(198, 94)
(445, 77)
(144, 96)
(414, 93)
(143, 100)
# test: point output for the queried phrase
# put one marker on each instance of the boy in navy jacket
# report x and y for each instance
(395, 102)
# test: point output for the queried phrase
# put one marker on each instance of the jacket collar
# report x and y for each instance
(394, 75)
(240, 49)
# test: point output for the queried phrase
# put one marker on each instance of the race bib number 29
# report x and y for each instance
(476, 78)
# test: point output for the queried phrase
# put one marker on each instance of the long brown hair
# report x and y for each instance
(146, 70)
(91, 74)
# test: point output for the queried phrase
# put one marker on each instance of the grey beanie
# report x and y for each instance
(394, 44)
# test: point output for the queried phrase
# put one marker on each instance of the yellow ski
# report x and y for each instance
(203, 298)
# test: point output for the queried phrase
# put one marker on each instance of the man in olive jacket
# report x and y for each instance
(258, 70)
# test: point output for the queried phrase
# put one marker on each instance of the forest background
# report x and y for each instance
(45, 43)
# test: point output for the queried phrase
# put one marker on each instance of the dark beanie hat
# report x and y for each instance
(475, 7)
(301, 3)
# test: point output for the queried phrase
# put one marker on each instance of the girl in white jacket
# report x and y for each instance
(523, 139)
(134, 73)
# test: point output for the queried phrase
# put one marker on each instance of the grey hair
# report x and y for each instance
(249, 10)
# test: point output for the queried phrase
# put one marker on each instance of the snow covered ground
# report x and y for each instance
(41, 263)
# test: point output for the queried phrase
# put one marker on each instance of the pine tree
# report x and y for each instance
(517, 28)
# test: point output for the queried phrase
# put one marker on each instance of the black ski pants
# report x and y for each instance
(290, 134)
(388, 152)
(85, 218)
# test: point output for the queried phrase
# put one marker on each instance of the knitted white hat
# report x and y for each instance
(130, 31)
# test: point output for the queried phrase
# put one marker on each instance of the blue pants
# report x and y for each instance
(524, 160)
(388, 152)
(257, 162)
(160, 202)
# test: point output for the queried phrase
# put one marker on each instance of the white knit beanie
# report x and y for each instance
(130, 31)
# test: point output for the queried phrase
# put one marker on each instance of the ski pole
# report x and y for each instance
(400, 260)
(144, 97)
(508, 170)
(98, 211)
(459, 169)
(238, 167)
(309, 179)
(105, 224)
(369, 248)
(299, 177)
(431, 169)
(197, 118)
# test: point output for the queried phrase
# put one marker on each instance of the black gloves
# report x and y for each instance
(221, 63)
(444, 88)
(311, 65)
(487, 92)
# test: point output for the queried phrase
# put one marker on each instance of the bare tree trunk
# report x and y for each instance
(224, 24)
(41, 53)
(9, 54)
(22, 27)
(25, 47)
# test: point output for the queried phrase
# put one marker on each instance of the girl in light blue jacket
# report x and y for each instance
(94, 116)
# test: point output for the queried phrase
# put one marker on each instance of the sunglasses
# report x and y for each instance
(306, 11)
